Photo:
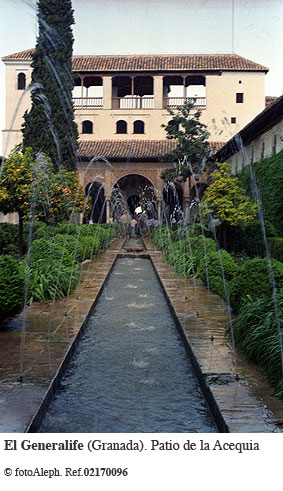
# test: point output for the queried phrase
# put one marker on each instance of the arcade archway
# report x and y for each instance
(173, 201)
(95, 191)
(132, 191)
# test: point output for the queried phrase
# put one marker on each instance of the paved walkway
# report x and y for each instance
(247, 405)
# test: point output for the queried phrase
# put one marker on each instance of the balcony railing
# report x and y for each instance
(93, 102)
(133, 102)
(174, 102)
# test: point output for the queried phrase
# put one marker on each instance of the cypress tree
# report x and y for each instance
(49, 125)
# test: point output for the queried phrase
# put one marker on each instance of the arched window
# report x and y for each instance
(87, 127)
(21, 81)
(121, 126)
(138, 126)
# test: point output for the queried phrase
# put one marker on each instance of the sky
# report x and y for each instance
(250, 28)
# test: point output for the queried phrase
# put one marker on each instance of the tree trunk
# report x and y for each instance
(21, 235)
(224, 236)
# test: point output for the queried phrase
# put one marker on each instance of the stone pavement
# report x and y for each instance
(247, 405)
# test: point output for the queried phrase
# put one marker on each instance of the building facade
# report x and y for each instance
(260, 138)
(121, 102)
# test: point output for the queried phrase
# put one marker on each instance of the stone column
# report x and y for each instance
(158, 91)
(107, 92)
(82, 87)
(159, 211)
(184, 89)
(186, 210)
(107, 210)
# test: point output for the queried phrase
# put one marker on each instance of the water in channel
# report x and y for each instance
(130, 372)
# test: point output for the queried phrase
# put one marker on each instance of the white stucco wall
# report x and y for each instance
(263, 146)
(221, 106)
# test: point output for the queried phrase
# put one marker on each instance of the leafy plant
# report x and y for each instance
(256, 333)
(12, 281)
(226, 201)
(49, 279)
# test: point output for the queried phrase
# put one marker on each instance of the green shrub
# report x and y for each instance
(49, 279)
(41, 230)
(90, 246)
(72, 244)
(49, 250)
(200, 247)
(246, 237)
(69, 228)
(12, 281)
(256, 333)
(104, 234)
(9, 238)
(217, 285)
(251, 237)
(218, 263)
(253, 280)
(276, 248)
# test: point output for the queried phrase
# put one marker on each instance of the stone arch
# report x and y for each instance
(95, 190)
(21, 81)
(87, 126)
(197, 191)
(173, 196)
(130, 191)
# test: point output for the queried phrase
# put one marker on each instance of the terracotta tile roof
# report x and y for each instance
(130, 149)
(123, 63)
(22, 55)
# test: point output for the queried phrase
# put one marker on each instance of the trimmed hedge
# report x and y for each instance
(254, 281)
(9, 238)
(269, 177)
(217, 285)
(48, 250)
(218, 263)
(12, 281)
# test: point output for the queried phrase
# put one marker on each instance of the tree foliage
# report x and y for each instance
(49, 126)
(29, 187)
(225, 200)
(192, 151)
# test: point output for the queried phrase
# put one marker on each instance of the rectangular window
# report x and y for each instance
(233, 120)
(274, 144)
(239, 97)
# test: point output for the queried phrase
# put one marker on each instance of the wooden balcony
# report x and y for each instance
(174, 102)
(88, 102)
(133, 102)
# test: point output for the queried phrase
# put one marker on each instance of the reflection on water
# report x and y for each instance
(131, 372)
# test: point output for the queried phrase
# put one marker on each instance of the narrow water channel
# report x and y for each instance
(130, 372)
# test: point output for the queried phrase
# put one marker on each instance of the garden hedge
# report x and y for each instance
(254, 280)
(12, 281)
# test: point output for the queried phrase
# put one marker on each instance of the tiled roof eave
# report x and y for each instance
(142, 63)
(135, 150)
